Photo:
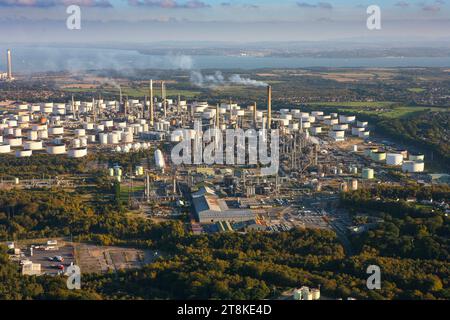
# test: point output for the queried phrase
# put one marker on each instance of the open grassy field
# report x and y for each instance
(385, 109)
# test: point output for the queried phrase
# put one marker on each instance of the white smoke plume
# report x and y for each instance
(217, 79)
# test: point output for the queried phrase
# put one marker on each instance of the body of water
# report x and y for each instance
(39, 59)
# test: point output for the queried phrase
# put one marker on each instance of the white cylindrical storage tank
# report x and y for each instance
(347, 119)
(5, 148)
(413, 166)
(24, 118)
(80, 132)
(331, 122)
(108, 123)
(76, 143)
(340, 127)
(32, 135)
(39, 127)
(316, 130)
(13, 141)
(416, 157)
(356, 131)
(56, 130)
(368, 173)
(23, 153)
(364, 134)
(121, 124)
(362, 124)
(11, 123)
(56, 149)
(103, 138)
(88, 126)
(83, 141)
(159, 159)
(77, 152)
(8, 131)
(113, 138)
(43, 134)
(127, 137)
(337, 135)
(33, 145)
(394, 159)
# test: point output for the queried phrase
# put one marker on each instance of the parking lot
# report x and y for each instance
(43, 257)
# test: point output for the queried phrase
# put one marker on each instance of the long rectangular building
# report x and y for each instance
(210, 209)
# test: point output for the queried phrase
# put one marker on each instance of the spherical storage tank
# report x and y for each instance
(159, 159)
(394, 159)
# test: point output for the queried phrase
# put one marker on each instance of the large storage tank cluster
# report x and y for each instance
(57, 128)
(397, 158)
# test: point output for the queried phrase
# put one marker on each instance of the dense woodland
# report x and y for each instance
(411, 246)
(407, 230)
(427, 130)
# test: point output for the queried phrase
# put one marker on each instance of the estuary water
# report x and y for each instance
(40, 59)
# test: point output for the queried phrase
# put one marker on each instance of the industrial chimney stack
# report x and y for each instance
(8, 57)
(269, 107)
(151, 112)
(254, 116)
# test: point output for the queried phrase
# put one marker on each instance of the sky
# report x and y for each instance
(146, 21)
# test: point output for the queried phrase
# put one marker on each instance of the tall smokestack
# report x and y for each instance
(269, 107)
(9, 64)
(151, 103)
(163, 97)
(254, 116)
(217, 116)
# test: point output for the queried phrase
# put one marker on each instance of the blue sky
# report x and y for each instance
(221, 20)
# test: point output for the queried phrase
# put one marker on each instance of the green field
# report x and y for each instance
(384, 109)
(416, 90)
